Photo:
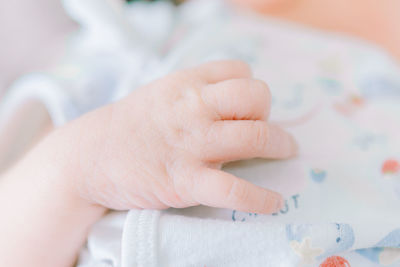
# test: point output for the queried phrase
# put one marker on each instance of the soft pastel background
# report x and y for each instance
(32, 35)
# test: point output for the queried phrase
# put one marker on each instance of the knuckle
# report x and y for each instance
(181, 185)
(173, 174)
(261, 136)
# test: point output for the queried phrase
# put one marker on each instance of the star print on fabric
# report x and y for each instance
(305, 251)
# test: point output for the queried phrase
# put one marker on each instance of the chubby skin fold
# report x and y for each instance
(162, 146)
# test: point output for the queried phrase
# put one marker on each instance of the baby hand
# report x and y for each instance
(164, 144)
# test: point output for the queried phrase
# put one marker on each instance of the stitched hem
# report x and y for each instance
(139, 239)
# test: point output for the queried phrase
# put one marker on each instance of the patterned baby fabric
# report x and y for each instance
(338, 95)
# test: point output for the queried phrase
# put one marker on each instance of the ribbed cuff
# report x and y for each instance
(139, 239)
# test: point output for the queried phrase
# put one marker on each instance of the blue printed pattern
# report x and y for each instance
(392, 240)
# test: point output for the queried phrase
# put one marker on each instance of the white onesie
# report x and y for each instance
(339, 96)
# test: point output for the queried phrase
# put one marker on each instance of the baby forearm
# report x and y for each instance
(162, 146)
(43, 223)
